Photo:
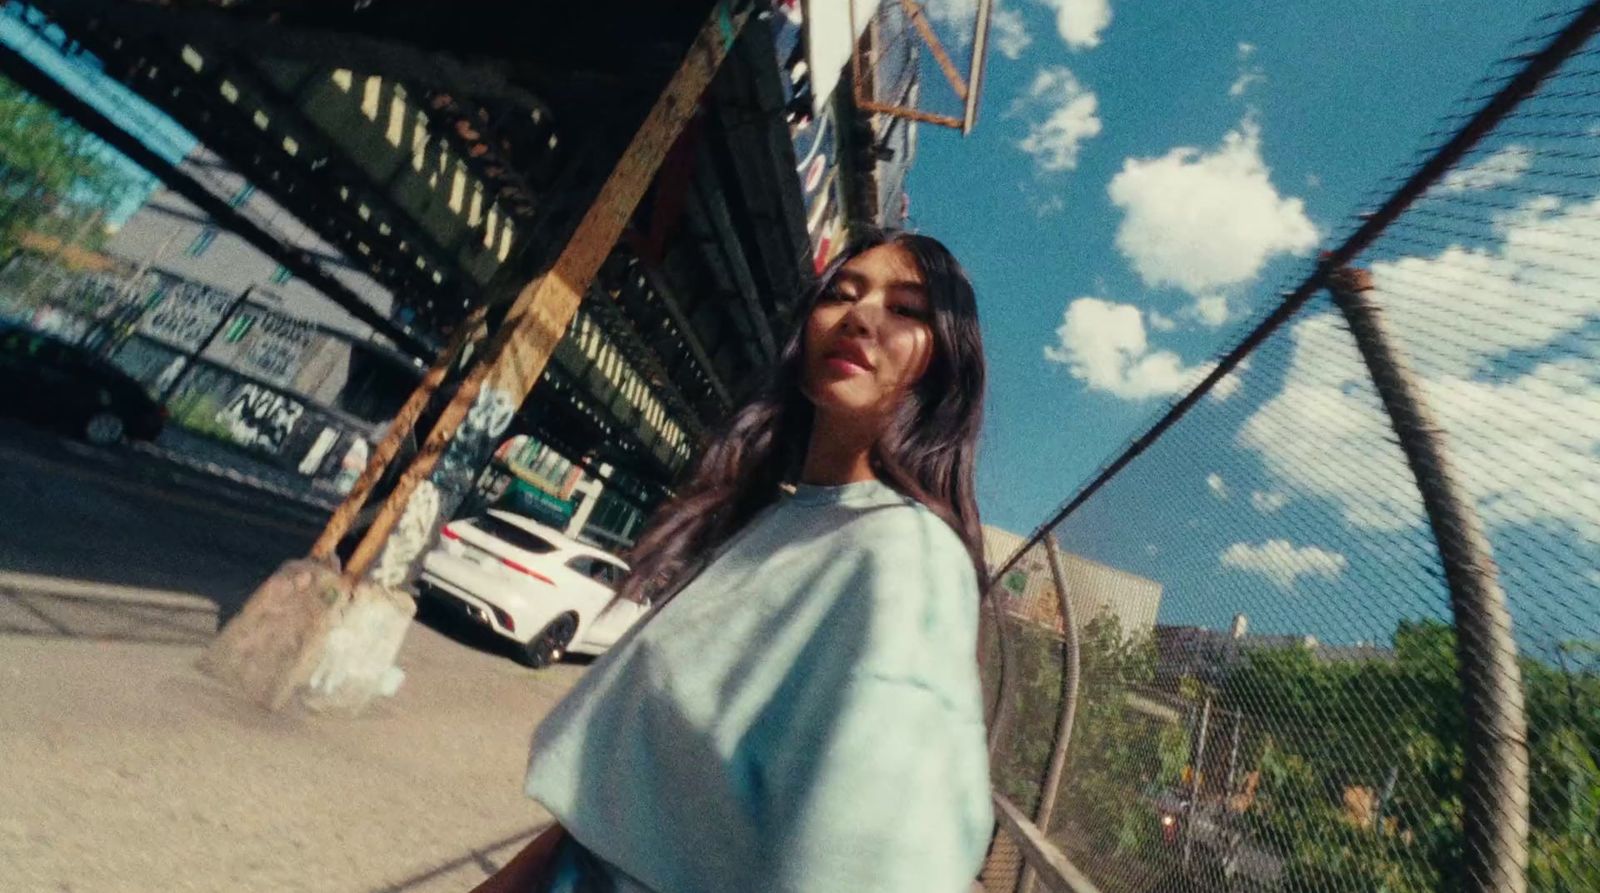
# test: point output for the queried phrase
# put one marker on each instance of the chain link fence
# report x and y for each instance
(1334, 623)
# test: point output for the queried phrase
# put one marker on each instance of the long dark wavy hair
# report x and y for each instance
(928, 451)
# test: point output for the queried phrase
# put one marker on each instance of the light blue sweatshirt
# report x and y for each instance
(805, 715)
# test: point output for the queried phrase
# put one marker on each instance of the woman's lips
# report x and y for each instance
(844, 366)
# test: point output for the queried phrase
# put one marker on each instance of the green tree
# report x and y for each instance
(1359, 763)
(54, 176)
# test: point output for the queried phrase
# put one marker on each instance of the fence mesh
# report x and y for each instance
(1269, 690)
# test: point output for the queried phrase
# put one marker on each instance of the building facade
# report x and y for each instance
(1095, 589)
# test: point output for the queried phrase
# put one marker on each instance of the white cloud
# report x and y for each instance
(1525, 444)
(1209, 310)
(1268, 501)
(1229, 384)
(1504, 166)
(1161, 322)
(1071, 117)
(1081, 21)
(1245, 81)
(1009, 33)
(1205, 220)
(1103, 344)
(1284, 563)
(1249, 75)
(1046, 207)
(1313, 181)
(1217, 485)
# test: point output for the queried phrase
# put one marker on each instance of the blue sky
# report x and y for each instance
(1347, 93)
(1297, 116)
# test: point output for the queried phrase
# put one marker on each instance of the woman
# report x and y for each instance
(802, 709)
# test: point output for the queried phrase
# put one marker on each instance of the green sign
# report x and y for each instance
(526, 499)
(238, 328)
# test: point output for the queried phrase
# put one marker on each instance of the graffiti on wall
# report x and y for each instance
(270, 345)
(436, 499)
(274, 348)
(187, 314)
(412, 534)
(259, 417)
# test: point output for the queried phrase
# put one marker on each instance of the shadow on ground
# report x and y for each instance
(84, 516)
(488, 858)
(458, 629)
(47, 608)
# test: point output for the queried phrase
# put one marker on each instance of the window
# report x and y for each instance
(514, 534)
(202, 241)
(281, 275)
(599, 570)
(608, 573)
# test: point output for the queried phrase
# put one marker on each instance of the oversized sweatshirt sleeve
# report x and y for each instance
(874, 762)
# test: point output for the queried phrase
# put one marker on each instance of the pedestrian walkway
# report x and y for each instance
(125, 769)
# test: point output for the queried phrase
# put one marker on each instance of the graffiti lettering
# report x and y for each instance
(260, 418)
(187, 314)
(491, 413)
(409, 537)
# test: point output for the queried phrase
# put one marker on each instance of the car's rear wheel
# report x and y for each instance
(550, 645)
(104, 428)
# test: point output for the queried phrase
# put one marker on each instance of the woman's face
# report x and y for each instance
(870, 337)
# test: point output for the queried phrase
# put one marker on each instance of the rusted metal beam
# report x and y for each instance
(919, 19)
(298, 262)
(517, 354)
(399, 428)
(899, 111)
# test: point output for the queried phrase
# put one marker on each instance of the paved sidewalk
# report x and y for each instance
(124, 769)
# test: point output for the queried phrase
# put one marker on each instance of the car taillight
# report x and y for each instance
(527, 570)
(449, 534)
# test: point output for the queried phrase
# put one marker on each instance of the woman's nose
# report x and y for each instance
(862, 318)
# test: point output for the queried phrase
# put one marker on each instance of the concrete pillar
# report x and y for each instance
(591, 491)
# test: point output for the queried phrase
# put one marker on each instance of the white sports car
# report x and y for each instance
(525, 581)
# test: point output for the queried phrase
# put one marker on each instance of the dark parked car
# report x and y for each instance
(49, 382)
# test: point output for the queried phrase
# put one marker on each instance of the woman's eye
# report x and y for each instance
(911, 312)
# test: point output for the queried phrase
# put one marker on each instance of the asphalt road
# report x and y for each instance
(78, 512)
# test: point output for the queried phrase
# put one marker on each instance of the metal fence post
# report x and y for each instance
(1069, 702)
(1495, 777)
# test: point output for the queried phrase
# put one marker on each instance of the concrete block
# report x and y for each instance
(358, 654)
(270, 648)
